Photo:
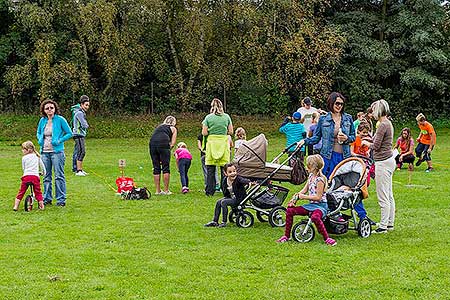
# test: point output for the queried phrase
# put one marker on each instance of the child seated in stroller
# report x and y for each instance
(317, 206)
(234, 189)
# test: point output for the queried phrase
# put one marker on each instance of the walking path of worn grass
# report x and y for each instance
(101, 247)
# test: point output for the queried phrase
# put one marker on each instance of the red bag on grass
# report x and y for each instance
(125, 184)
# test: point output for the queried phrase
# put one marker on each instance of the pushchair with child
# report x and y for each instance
(265, 197)
(347, 187)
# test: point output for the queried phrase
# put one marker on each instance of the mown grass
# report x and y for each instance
(101, 247)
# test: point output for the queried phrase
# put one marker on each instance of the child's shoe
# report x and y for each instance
(224, 224)
(283, 239)
(184, 190)
(428, 170)
(217, 187)
(331, 242)
(410, 167)
(380, 230)
(41, 205)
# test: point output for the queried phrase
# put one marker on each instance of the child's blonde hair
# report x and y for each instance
(181, 145)
(240, 133)
(28, 145)
(316, 163)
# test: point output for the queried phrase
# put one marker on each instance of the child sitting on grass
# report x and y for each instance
(31, 162)
(184, 158)
(234, 189)
(317, 206)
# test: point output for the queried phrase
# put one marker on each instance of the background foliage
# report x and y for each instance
(259, 56)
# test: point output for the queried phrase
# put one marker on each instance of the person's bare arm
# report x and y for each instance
(174, 136)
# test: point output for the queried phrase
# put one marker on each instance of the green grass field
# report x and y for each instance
(102, 247)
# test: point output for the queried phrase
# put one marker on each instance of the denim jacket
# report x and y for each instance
(325, 131)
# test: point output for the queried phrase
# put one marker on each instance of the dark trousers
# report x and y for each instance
(310, 150)
(211, 179)
(222, 205)
(183, 167)
(407, 159)
(79, 151)
(423, 149)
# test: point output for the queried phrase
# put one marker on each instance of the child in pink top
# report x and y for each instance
(184, 158)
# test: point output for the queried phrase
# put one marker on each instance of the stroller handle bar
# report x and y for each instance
(298, 146)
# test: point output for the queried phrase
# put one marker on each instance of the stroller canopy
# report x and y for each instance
(350, 172)
(252, 153)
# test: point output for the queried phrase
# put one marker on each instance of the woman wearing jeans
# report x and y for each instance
(384, 165)
(53, 130)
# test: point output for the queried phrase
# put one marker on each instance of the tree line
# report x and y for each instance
(258, 56)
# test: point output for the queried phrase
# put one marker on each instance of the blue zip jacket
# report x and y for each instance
(294, 132)
(61, 132)
(325, 131)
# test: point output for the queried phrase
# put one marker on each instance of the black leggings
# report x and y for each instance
(160, 160)
(222, 204)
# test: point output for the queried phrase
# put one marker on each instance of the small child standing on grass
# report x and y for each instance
(184, 158)
(234, 189)
(317, 206)
(31, 163)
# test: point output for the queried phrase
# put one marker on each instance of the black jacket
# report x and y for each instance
(239, 188)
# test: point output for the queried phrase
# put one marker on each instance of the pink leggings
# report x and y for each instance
(316, 217)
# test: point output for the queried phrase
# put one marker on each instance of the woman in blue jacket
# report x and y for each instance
(337, 133)
(53, 130)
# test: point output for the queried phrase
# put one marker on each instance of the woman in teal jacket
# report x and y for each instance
(53, 130)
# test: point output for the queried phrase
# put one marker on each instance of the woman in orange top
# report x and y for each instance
(405, 145)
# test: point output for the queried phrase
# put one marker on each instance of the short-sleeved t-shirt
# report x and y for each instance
(405, 145)
(217, 124)
(425, 130)
(307, 115)
(359, 148)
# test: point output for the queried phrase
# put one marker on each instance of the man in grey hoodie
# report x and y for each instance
(80, 126)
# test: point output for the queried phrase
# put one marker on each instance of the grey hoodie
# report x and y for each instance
(80, 124)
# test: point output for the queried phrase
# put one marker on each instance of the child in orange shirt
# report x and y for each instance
(362, 133)
(426, 142)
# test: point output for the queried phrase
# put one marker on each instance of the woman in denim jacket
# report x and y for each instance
(337, 133)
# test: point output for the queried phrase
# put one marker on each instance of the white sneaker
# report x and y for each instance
(85, 174)
(80, 173)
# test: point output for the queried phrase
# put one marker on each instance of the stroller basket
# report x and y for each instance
(270, 196)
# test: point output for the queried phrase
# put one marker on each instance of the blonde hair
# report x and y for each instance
(216, 107)
(380, 108)
(420, 117)
(170, 120)
(28, 145)
(316, 163)
(181, 145)
(240, 133)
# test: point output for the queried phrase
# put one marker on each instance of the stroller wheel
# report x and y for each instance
(262, 217)
(364, 228)
(28, 204)
(232, 216)
(277, 216)
(302, 232)
(244, 219)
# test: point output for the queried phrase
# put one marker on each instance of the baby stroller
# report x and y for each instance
(347, 187)
(265, 198)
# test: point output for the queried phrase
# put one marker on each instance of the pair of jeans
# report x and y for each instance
(54, 161)
(211, 179)
(183, 167)
(222, 205)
